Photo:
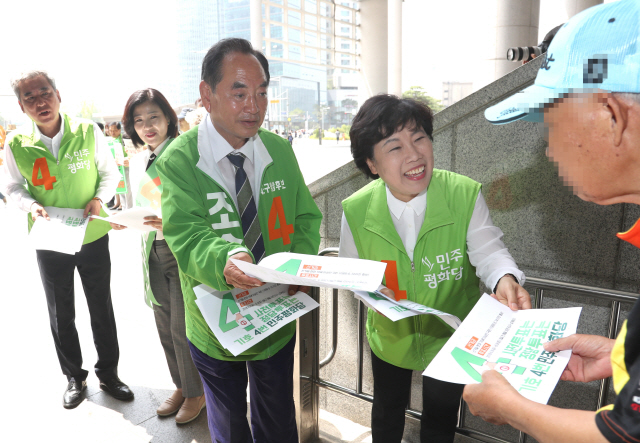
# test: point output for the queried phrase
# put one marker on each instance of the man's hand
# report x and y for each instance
(487, 398)
(37, 210)
(511, 294)
(388, 292)
(590, 358)
(93, 208)
(235, 277)
(123, 162)
(295, 288)
(117, 227)
(154, 221)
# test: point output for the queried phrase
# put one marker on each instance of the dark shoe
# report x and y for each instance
(116, 389)
(74, 394)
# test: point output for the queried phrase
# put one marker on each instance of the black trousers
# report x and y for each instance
(391, 392)
(94, 266)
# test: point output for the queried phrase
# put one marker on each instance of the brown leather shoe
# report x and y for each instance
(190, 409)
(171, 405)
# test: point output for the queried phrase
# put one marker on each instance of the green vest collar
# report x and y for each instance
(438, 213)
(378, 217)
(67, 135)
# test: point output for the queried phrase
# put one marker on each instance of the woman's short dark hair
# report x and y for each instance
(212, 62)
(380, 117)
(143, 96)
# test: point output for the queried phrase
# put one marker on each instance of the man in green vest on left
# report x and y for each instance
(58, 161)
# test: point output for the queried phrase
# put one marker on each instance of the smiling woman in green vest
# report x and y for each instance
(433, 229)
(151, 121)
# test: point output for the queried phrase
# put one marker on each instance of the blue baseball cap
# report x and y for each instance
(596, 50)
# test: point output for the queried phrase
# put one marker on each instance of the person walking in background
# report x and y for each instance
(150, 120)
(2, 197)
(126, 200)
(41, 169)
(213, 209)
(183, 125)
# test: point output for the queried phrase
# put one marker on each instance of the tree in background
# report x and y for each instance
(87, 109)
(419, 94)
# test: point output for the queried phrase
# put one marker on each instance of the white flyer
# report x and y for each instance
(241, 318)
(312, 270)
(396, 310)
(131, 218)
(64, 232)
(510, 342)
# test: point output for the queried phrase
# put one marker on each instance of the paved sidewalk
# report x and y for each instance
(33, 383)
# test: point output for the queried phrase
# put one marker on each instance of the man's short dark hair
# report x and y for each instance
(116, 124)
(380, 117)
(212, 62)
(143, 96)
(101, 126)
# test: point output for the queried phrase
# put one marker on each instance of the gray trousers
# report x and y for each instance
(165, 284)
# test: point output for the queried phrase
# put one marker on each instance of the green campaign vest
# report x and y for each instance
(439, 275)
(69, 182)
(202, 227)
(149, 194)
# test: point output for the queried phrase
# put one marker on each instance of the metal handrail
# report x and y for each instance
(331, 252)
(538, 284)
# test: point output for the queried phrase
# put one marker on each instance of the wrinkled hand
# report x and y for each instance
(117, 227)
(511, 294)
(485, 399)
(154, 221)
(235, 277)
(37, 210)
(93, 208)
(590, 358)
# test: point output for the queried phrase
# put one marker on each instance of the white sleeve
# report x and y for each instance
(347, 244)
(13, 183)
(107, 168)
(486, 250)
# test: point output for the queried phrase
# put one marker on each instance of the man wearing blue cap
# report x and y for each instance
(588, 95)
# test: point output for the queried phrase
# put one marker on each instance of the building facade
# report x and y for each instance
(312, 46)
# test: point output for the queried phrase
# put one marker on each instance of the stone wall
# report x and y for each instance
(550, 233)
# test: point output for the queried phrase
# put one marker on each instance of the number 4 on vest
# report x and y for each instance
(47, 179)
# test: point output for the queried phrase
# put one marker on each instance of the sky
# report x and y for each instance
(105, 51)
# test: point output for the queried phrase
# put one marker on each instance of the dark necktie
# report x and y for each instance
(151, 159)
(247, 208)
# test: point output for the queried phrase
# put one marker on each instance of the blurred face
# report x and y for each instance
(404, 162)
(580, 137)
(114, 131)
(106, 131)
(239, 102)
(150, 124)
(41, 103)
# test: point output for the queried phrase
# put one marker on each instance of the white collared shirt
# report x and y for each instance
(147, 152)
(221, 148)
(15, 185)
(485, 248)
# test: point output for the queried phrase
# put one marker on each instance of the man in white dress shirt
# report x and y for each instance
(58, 161)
